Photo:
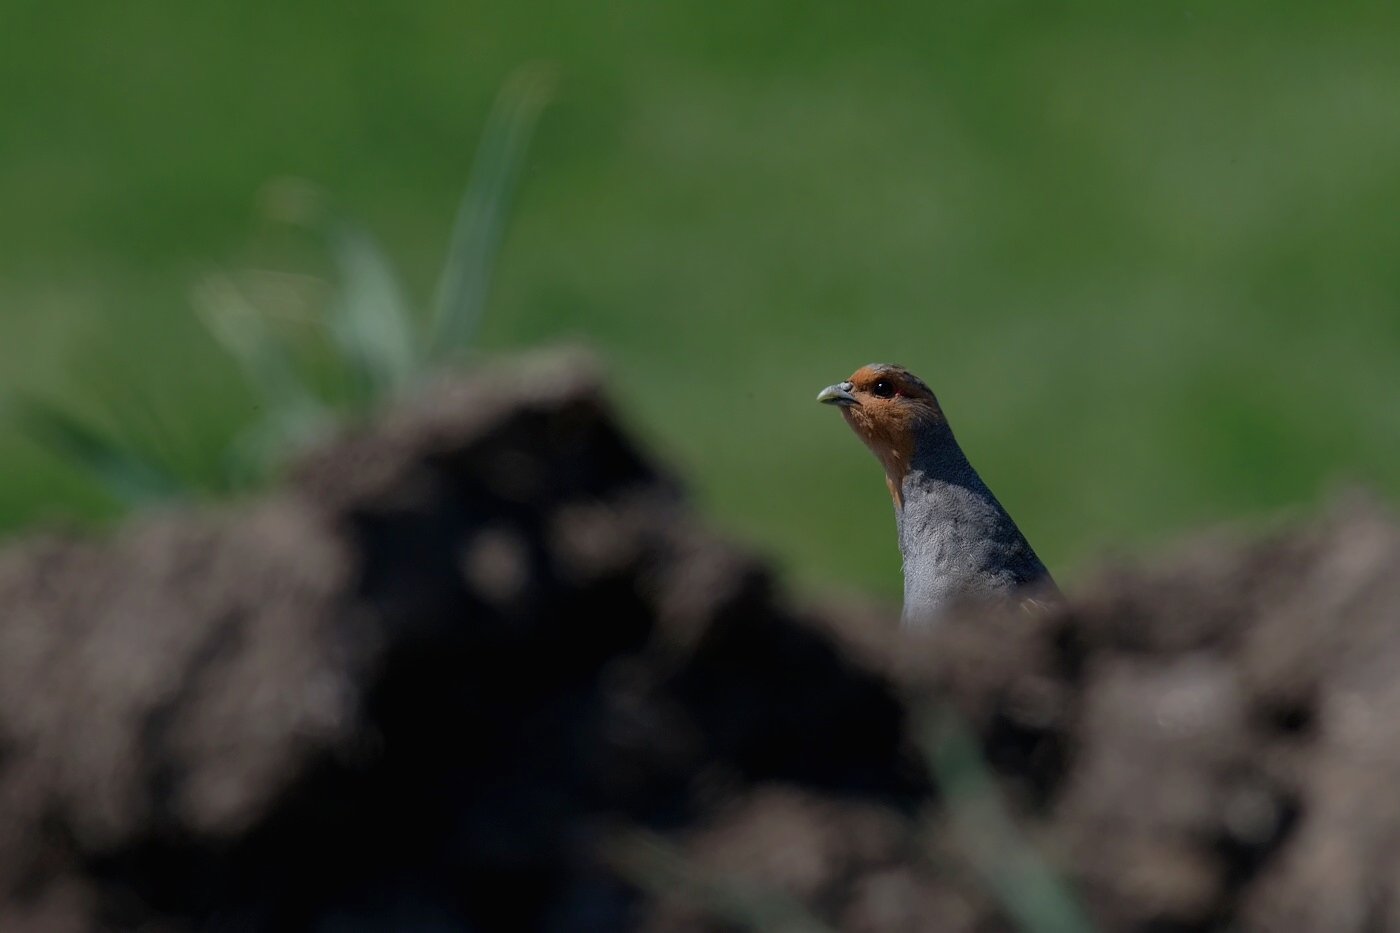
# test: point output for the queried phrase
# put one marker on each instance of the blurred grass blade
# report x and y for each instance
(128, 476)
(273, 438)
(291, 414)
(477, 232)
(1033, 897)
(370, 321)
(133, 414)
(240, 329)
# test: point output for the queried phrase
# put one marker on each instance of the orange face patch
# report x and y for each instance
(894, 406)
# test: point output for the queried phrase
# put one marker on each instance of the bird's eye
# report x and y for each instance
(882, 388)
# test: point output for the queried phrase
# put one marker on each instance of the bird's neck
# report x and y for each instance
(936, 459)
(955, 536)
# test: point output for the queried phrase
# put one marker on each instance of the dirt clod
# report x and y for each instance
(466, 649)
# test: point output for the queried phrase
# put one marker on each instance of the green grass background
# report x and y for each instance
(1147, 254)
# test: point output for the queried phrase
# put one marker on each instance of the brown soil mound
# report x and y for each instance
(476, 668)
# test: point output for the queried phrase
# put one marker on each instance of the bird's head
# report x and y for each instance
(888, 407)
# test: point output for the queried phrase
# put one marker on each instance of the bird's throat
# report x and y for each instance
(892, 443)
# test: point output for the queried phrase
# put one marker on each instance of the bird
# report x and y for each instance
(957, 541)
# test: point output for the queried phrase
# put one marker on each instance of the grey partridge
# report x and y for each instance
(957, 540)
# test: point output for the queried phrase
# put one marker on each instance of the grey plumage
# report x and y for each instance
(956, 539)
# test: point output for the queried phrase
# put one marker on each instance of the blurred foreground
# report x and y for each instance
(477, 668)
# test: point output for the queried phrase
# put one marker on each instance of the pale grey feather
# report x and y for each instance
(957, 540)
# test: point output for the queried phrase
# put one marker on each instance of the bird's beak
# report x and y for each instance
(839, 394)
